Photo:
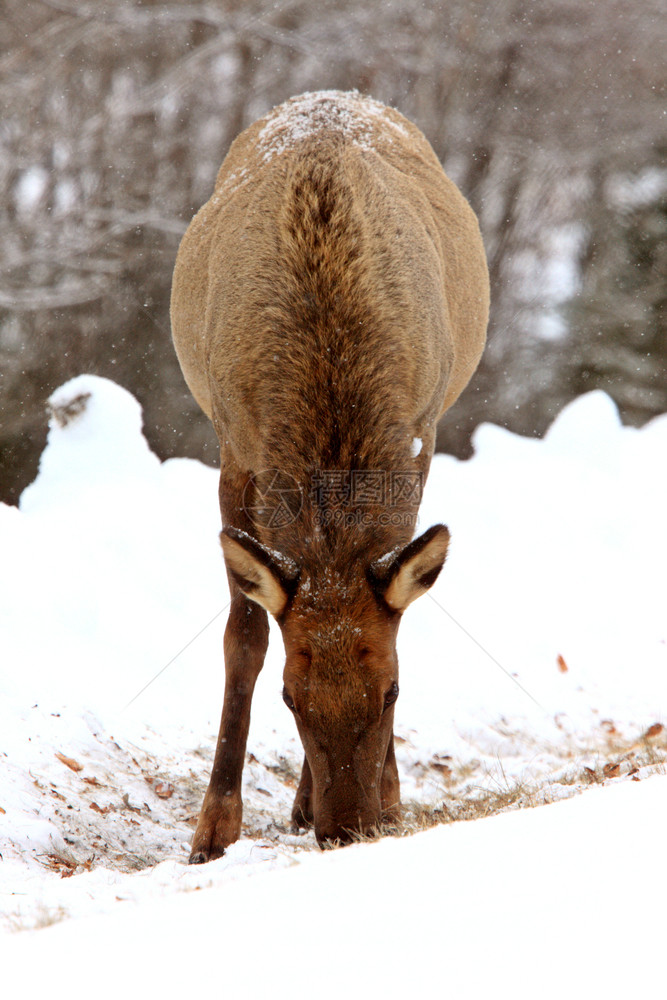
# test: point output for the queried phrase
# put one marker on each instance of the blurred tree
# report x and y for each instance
(117, 114)
(620, 312)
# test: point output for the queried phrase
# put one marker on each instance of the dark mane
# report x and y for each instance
(336, 356)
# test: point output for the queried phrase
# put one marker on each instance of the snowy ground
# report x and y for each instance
(536, 670)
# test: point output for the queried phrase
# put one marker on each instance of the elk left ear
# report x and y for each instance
(414, 570)
(257, 572)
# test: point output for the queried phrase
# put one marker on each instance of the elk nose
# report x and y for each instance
(334, 838)
(338, 835)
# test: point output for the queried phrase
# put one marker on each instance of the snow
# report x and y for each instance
(352, 115)
(632, 191)
(534, 672)
(286, 565)
(547, 903)
(31, 187)
(551, 902)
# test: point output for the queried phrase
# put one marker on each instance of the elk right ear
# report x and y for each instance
(257, 572)
(413, 570)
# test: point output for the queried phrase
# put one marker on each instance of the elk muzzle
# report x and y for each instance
(347, 800)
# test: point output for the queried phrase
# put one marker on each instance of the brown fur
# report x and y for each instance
(329, 303)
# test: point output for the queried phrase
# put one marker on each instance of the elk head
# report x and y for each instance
(339, 627)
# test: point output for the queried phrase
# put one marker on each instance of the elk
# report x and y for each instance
(329, 304)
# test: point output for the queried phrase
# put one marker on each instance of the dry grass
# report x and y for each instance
(417, 816)
(131, 828)
(43, 916)
(466, 796)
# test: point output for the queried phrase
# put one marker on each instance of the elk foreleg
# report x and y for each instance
(246, 642)
(302, 810)
(390, 788)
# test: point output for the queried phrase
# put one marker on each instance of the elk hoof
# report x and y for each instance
(199, 855)
(198, 858)
(302, 817)
(219, 826)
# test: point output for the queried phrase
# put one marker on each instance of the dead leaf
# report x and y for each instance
(163, 789)
(439, 764)
(562, 665)
(611, 770)
(103, 810)
(92, 781)
(590, 774)
(2, 811)
(608, 726)
(69, 762)
(60, 863)
(653, 730)
(126, 803)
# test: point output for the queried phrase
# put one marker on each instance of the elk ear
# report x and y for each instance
(413, 570)
(268, 578)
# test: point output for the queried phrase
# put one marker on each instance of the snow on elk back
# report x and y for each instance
(329, 304)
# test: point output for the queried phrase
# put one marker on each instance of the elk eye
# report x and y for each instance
(391, 695)
(287, 698)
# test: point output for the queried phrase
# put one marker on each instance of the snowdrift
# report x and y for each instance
(537, 669)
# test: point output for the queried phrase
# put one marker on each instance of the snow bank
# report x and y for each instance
(551, 902)
(558, 550)
(537, 665)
